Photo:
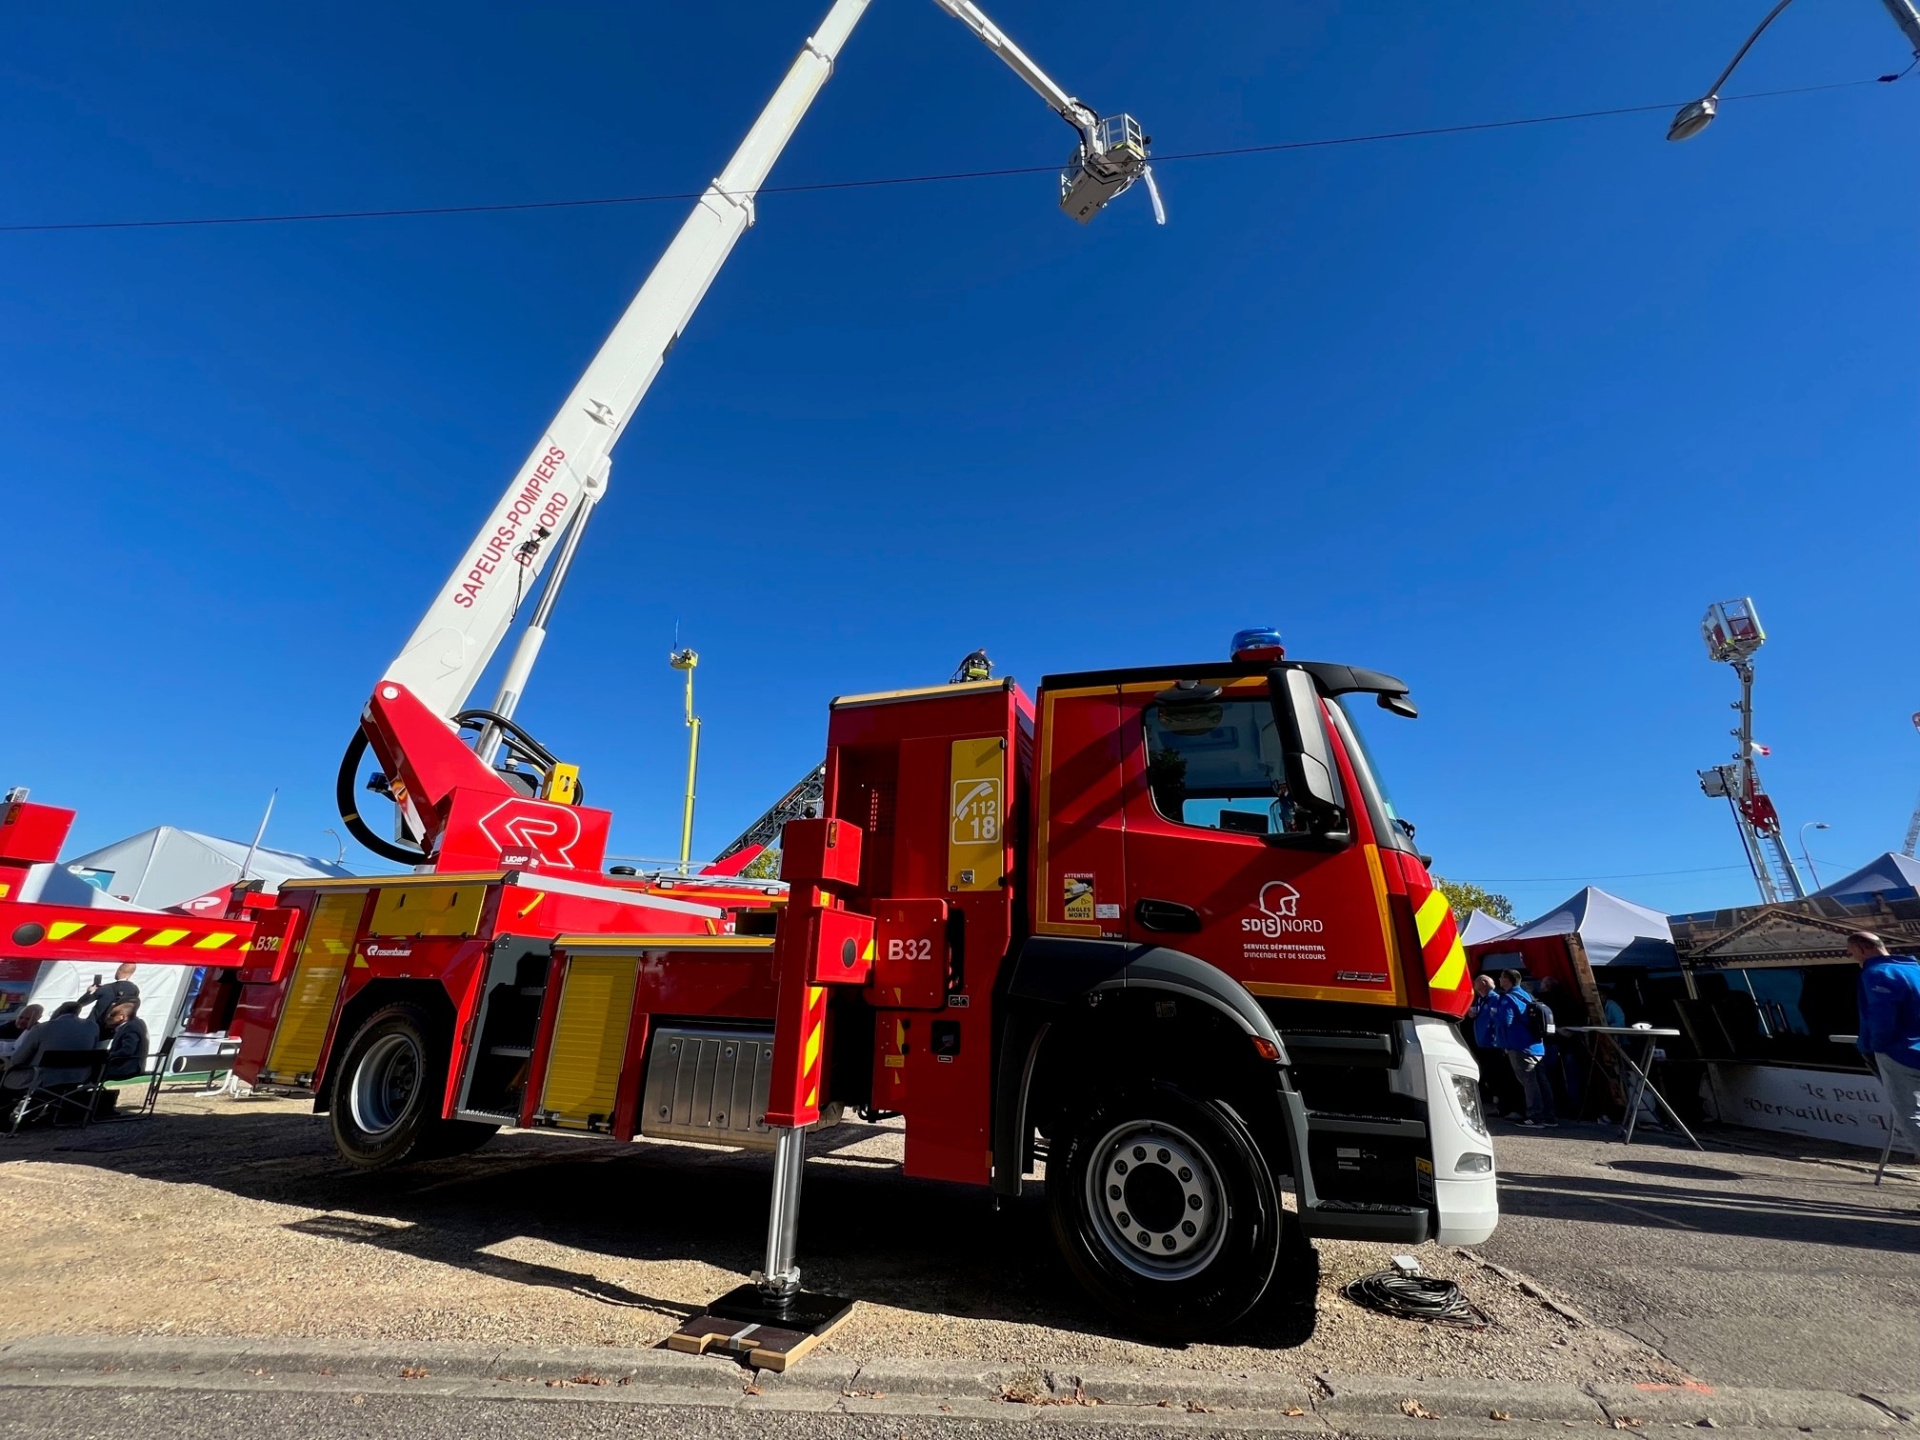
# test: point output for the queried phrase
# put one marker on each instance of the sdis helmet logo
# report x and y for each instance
(1279, 903)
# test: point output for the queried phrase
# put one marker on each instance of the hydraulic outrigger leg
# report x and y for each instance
(820, 944)
(778, 1279)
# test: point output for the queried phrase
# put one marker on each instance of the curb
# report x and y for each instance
(1165, 1398)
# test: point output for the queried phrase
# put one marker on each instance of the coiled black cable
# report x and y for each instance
(1415, 1297)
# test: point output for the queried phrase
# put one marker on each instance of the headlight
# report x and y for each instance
(1466, 1091)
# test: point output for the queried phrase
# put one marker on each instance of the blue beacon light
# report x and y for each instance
(1259, 644)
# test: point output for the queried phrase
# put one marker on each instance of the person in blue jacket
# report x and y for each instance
(1502, 1025)
(1890, 1026)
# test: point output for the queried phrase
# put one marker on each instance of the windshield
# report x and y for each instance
(1392, 830)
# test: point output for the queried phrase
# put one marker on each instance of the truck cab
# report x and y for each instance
(1156, 934)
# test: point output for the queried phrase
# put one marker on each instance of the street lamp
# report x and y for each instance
(1804, 854)
(1696, 115)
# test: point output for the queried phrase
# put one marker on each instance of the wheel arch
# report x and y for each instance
(430, 996)
(1076, 1009)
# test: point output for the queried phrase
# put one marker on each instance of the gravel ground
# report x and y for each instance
(233, 1217)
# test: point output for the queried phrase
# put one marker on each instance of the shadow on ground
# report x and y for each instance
(865, 1229)
(1687, 1195)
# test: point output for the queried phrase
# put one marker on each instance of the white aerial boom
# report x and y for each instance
(557, 487)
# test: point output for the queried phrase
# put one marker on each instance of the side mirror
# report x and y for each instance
(1309, 757)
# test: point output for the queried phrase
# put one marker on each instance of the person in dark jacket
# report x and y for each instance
(1508, 1030)
(20, 1022)
(127, 1053)
(1890, 1026)
(100, 999)
(63, 1032)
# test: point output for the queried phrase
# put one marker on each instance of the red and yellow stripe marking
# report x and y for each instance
(815, 1030)
(79, 932)
(1440, 948)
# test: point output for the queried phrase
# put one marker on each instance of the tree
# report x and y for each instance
(764, 866)
(1464, 896)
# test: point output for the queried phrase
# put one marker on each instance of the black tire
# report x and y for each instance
(386, 1094)
(1200, 1253)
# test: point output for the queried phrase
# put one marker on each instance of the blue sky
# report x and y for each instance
(1498, 412)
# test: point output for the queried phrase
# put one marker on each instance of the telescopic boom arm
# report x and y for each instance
(566, 473)
(467, 620)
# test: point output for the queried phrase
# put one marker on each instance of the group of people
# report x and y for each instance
(1510, 1021)
(106, 1016)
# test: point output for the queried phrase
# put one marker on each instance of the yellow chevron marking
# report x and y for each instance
(1427, 918)
(169, 937)
(113, 934)
(1452, 970)
(213, 941)
(813, 1048)
(60, 929)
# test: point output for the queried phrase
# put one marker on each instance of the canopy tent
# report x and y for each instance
(1888, 872)
(1614, 931)
(165, 866)
(1480, 927)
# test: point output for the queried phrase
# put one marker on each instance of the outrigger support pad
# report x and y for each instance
(771, 1322)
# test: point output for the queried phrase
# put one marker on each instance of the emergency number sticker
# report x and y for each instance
(1076, 897)
(976, 811)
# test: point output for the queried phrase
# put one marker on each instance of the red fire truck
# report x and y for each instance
(1157, 929)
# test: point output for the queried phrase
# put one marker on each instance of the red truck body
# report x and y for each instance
(1014, 924)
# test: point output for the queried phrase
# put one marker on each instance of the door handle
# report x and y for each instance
(1167, 917)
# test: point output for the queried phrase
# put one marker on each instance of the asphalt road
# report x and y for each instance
(1746, 1268)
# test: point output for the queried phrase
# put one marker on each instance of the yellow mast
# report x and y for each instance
(685, 659)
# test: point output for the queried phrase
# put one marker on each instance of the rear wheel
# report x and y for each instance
(386, 1094)
(1165, 1210)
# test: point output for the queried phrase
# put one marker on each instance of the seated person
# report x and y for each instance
(64, 1032)
(127, 1052)
(100, 999)
(19, 1022)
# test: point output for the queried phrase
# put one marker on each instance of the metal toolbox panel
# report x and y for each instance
(711, 1086)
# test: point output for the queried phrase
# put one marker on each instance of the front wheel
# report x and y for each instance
(1165, 1210)
(386, 1094)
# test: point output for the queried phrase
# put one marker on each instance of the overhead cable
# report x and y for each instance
(668, 197)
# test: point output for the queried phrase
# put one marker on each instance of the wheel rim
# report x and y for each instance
(1155, 1199)
(385, 1083)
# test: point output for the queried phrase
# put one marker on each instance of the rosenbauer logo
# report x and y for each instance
(1279, 903)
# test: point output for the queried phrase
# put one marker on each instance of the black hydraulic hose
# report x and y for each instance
(515, 737)
(1415, 1297)
(348, 801)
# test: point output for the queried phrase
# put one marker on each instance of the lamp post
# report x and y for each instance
(685, 659)
(1696, 115)
(1805, 854)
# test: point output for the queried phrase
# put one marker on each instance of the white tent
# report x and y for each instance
(1480, 927)
(165, 866)
(1614, 931)
(1888, 872)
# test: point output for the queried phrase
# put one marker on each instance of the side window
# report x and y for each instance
(1219, 766)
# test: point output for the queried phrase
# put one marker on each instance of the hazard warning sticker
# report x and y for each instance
(1076, 897)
